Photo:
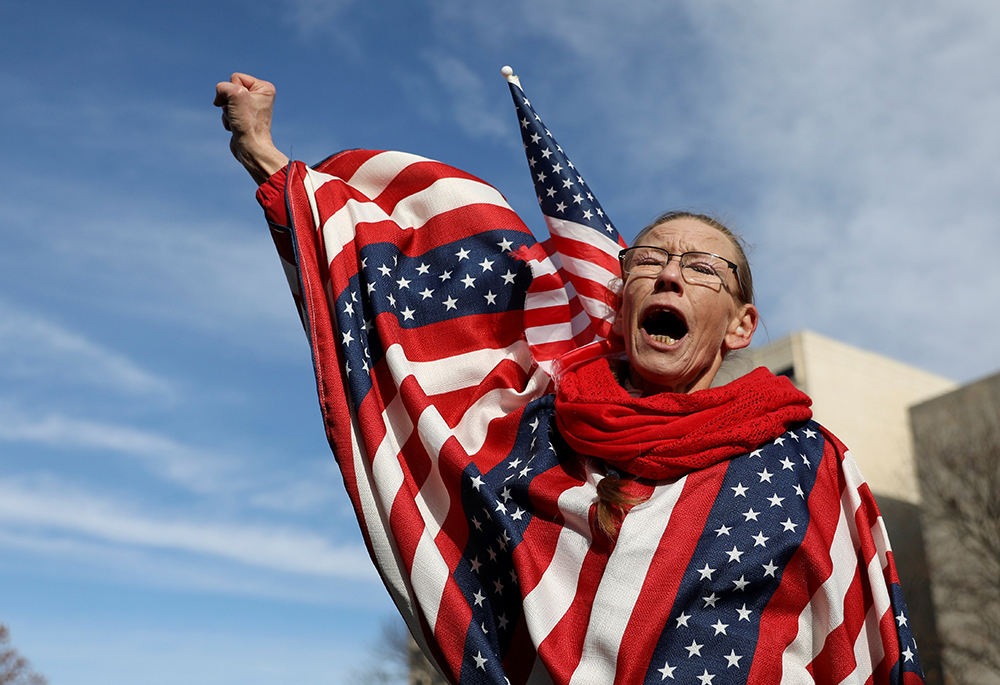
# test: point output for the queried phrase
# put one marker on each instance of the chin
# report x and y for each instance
(670, 375)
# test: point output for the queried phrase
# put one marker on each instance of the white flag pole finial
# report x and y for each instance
(508, 74)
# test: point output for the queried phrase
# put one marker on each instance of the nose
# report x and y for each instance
(670, 278)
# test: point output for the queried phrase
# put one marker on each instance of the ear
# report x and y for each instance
(741, 327)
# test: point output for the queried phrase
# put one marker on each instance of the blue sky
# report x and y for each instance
(169, 510)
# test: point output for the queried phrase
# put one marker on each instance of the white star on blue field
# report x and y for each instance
(169, 509)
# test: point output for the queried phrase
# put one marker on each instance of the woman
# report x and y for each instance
(657, 529)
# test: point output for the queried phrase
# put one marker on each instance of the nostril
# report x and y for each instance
(666, 284)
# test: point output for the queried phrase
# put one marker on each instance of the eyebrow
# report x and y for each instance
(684, 249)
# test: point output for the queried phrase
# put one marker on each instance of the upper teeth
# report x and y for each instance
(663, 339)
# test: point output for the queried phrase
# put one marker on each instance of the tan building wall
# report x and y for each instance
(861, 396)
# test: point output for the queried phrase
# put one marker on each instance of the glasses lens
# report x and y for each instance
(645, 261)
(702, 267)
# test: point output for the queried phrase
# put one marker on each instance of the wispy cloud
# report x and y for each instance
(33, 346)
(471, 106)
(51, 509)
(309, 16)
(196, 469)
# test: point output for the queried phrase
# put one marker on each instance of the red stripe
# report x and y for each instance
(835, 660)
(571, 246)
(553, 350)
(456, 224)
(887, 631)
(445, 339)
(562, 648)
(417, 177)
(666, 571)
(452, 626)
(345, 164)
(548, 316)
(586, 287)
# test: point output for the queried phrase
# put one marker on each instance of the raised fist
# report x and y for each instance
(247, 105)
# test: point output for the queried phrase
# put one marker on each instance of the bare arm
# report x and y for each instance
(247, 104)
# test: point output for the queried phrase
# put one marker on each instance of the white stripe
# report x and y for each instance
(851, 499)
(456, 372)
(442, 196)
(589, 271)
(546, 298)
(825, 610)
(598, 309)
(430, 573)
(559, 332)
(824, 613)
(426, 579)
(580, 323)
(374, 518)
(867, 646)
(433, 499)
(471, 431)
(312, 181)
(429, 577)
(584, 234)
(551, 598)
(389, 561)
(338, 231)
(375, 175)
(621, 583)
(469, 370)
(543, 267)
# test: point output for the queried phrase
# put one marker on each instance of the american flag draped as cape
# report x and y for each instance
(435, 319)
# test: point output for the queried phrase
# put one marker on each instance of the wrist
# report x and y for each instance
(260, 158)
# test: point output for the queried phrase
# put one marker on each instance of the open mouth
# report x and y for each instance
(664, 326)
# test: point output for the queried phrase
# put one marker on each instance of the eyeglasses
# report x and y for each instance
(699, 268)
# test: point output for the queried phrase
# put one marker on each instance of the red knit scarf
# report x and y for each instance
(670, 434)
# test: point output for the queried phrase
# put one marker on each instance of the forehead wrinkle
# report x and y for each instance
(675, 244)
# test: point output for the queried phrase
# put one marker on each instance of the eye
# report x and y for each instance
(701, 265)
(647, 260)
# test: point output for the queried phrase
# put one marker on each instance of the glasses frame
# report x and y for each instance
(680, 258)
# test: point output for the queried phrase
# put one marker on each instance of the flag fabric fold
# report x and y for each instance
(435, 319)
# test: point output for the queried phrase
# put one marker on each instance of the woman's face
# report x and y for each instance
(677, 333)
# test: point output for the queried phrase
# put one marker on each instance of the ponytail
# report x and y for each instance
(613, 503)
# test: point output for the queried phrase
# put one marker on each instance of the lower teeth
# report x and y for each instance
(666, 339)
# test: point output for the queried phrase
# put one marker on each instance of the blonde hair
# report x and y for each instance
(613, 503)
